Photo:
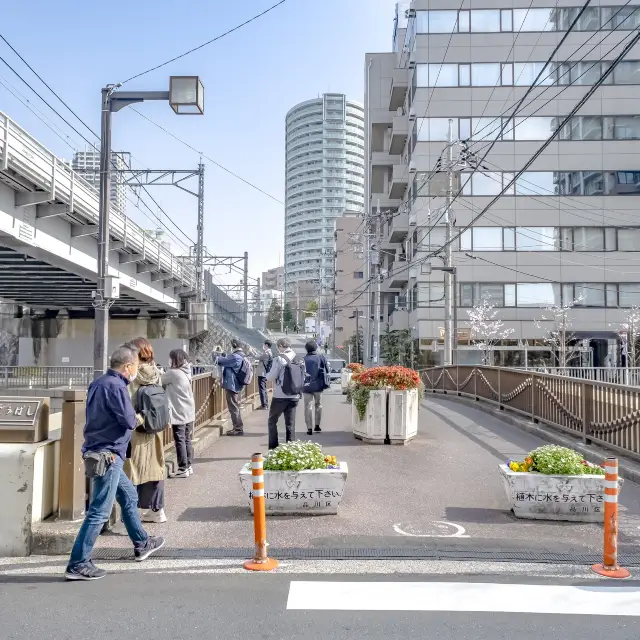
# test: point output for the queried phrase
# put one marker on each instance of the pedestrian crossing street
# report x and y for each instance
(598, 599)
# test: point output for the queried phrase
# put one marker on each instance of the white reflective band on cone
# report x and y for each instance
(610, 498)
(258, 493)
(610, 484)
(257, 465)
(257, 479)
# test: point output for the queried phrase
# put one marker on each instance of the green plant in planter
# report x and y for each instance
(553, 460)
(296, 456)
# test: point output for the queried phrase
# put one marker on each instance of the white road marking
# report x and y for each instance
(459, 531)
(467, 596)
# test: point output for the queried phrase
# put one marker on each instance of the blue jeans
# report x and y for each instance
(113, 485)
(262, 387)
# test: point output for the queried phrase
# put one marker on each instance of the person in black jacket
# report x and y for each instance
(316, 369)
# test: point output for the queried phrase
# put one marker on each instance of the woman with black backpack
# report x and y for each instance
(145, 462)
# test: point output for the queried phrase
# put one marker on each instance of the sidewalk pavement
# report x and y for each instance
(395, 495)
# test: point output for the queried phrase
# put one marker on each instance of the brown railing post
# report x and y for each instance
(457, 380)
(475, 382)
(586, 391)
(500, 390)
(72, 485)
(533, 397)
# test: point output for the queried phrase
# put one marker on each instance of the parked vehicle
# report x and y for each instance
(335, 369)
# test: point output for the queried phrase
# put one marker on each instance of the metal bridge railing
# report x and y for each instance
(45, 377)
(601, 412)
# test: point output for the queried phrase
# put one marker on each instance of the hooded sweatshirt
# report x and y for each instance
(177, 384)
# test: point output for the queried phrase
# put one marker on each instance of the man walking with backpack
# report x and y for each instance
(237, 372)
(316, 381)
(265, 361)
(287, 372)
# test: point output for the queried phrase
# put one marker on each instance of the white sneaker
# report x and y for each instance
(154, 516)
(180, 474)
(190, 471)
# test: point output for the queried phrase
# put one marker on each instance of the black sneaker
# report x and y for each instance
(235, 432)
(309, 432)
(84, 572)
(318, 429)
(153, 544)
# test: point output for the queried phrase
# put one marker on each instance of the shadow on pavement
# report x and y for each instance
(207, 460)
(479, 515)
(215, 514)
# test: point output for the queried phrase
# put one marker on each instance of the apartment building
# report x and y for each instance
(350, 268)
(87, 164)
(324, 178)
(568, 229)
(273, 279)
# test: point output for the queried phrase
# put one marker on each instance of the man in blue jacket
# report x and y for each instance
(110, 421)
(315, 368)
(231, 366)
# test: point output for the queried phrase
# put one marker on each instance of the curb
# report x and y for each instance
(54, 537)
(628, 468)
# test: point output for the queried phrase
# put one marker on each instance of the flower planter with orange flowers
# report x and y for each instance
(385, 405)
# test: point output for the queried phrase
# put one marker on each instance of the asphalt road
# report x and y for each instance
(141, 606)
(444, 482)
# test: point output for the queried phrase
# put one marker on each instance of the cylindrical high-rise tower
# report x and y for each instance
(324, 178)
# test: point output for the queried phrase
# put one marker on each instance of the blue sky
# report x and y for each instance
(252, 78)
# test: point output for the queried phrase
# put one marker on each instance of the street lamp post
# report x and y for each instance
(451, 328)
(186, 97)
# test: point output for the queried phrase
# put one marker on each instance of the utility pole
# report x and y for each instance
(200, 245)
(367, 254)
(101, 335)
(378, 302)
(448, 280)
(246, 288)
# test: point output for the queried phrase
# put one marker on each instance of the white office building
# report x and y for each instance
(324, 178)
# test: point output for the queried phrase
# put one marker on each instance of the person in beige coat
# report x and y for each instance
(145, 463)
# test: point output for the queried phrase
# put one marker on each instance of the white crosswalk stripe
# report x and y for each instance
(465, 597)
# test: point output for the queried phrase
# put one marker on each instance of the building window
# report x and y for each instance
(487, 74)
(358, 275)
(545, 294)
(528, 20)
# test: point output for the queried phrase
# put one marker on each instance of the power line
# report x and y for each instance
(204, 44)
(37, 75)
(576, 108)
(204, 155)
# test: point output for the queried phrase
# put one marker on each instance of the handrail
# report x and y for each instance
(603, 412)
(24, 154)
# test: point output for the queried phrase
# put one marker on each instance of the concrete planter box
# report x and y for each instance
(316, 492)
(536, 496)
(345, 379)
(403, 416)
(373, 429)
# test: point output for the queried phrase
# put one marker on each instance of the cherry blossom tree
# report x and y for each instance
(631, 329)
(487, 330)
(560, 336)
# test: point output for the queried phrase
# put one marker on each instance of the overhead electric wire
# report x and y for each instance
(204, 44)
(573, 111)
(204, 155)
(92, 145)
(579, 105)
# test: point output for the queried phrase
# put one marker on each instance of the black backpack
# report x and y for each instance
(245, 373)
(152, 403)
(293, 377)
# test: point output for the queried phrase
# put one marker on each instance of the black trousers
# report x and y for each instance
(184, 448)
(278, 407)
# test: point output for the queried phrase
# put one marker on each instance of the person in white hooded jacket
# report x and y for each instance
(182, 408)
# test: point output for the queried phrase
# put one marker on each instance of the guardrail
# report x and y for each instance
(45, 377)
(210, 402)
(601, 412)
(616, 375)
(24, 154)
